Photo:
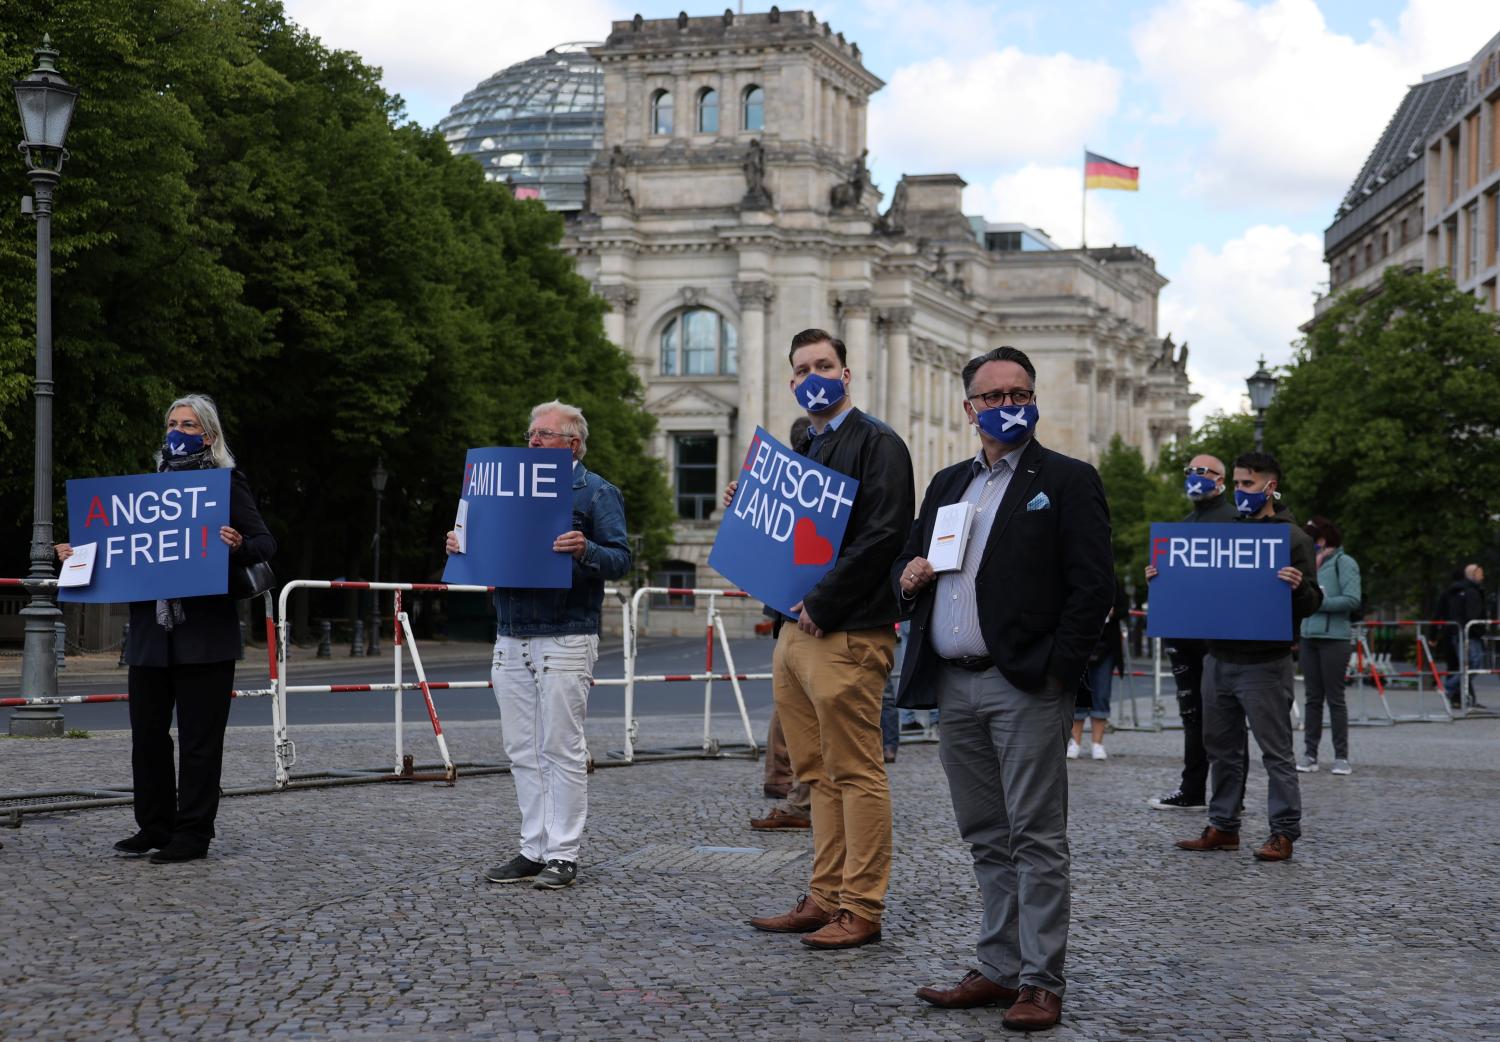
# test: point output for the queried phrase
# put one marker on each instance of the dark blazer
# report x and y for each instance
(211, 630)
(1045, 584)
(855, 593)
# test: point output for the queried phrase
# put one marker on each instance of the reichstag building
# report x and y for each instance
(713, 174)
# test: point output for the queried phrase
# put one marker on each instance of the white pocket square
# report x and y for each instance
(1039, 502)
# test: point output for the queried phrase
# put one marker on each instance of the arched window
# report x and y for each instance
(755, 108)
(699, 342)
(661, 112)
(708, 111)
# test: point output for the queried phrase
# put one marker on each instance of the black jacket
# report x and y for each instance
(1045, 583)
(1218, 509)
(856, 593)
(211, 630)
(1305, 598)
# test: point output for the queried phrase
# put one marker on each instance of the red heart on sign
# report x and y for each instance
(807, 546)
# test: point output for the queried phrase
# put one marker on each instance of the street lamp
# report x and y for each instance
(378, 478)
(1262, 387)
(46, 105)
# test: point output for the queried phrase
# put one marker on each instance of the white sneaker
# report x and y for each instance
(1099, 753)
(1341, 767)
(1072, 749)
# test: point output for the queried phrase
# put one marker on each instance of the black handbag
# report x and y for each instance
(247, 581)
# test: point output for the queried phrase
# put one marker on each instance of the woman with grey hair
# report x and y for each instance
(181, 654)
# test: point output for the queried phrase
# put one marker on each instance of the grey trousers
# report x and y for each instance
(1003, 751)
(1323, 665)
(1260, 693)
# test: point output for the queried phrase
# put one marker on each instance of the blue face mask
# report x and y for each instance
(819, 393)
(1007, 423)
(180, 443)
(1249, 503)
(1200, 486)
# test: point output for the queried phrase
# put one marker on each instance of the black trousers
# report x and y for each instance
(1187, 672)
(171, 802)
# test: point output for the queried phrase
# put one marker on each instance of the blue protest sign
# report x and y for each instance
(1219, 581)
(784, 528)
(155, 536)
(518, 502)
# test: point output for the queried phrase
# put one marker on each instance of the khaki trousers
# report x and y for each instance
(827, 691)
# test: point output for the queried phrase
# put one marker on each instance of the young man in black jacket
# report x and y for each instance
(1251, 680)
(831, 661)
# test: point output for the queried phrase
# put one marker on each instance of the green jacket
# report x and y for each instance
(1339, 578)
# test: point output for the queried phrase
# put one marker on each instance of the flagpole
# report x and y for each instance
(1083, 227)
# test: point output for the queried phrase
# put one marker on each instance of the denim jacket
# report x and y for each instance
(599, 513)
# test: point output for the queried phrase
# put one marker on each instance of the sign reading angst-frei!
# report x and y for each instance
(1219, 581)
(155, 535)
(518, 502)
(784, 528)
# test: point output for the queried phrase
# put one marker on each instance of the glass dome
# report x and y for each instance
(536, 124)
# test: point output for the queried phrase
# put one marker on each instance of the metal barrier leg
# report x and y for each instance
(627, 609)
(450, 772)
(709, 745)
(734, 681)
(396, 666)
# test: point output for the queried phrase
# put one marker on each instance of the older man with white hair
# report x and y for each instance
(545, 647)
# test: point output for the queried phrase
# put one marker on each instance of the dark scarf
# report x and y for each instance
(169, 613)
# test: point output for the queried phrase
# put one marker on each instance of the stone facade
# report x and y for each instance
(733, 209)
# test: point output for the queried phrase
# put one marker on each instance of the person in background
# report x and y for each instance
(1093, 702)
(1462, 602)
(181, 654)
(1325, 646)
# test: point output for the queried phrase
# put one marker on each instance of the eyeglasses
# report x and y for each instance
(543, 432)
(994, 399)
(1190, 471)
(184, 425)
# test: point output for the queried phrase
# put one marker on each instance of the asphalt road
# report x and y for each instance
(658, 656)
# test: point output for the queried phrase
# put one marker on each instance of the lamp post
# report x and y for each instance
(1262, 387)
(378, 478)
(46, 105)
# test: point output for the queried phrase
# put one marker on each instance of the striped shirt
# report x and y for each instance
(955, 612)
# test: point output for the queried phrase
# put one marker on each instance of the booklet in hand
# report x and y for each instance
(950, 536)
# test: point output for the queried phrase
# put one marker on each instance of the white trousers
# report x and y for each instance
(542, 688)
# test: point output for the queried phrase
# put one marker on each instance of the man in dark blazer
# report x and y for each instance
(999, 644)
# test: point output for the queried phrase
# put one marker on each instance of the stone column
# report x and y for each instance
(854, 305)
(898, 377)
(622, 300)
(755, 296)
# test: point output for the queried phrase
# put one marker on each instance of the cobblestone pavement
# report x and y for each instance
(361, 912)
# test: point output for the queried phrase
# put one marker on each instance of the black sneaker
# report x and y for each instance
(517, 870)
(556, 875)
(1178, 800)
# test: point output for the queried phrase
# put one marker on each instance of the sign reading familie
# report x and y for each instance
(1218, 581)
(155, 536)
(513, 504)
(784, 527)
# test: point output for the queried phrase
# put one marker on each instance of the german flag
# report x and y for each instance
(1099, 172)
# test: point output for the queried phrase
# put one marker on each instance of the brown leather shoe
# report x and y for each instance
(845, 930)
(890, 753)
(1211, 839)
(776, 790)
(1277, 848)
(974, 990)
(1036, 1009)
(780, 821)
(807, 916)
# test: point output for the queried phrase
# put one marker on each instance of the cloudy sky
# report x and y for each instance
(1248, 119)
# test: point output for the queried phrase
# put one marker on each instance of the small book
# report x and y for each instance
(950, 536)
(78, 570)
(461, 526)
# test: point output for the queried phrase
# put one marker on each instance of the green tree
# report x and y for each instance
(1127, 487)
(248, 213)
(1387, 424)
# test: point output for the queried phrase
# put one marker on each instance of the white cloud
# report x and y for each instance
(1292, 108)
(1046, 197)
(997, 109)
(434, 52)
(1240, 302)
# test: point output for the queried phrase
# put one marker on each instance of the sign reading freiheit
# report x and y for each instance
(1218, 581)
